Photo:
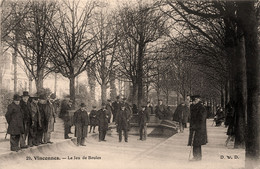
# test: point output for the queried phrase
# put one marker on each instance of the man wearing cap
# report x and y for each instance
(116, 107)
(25, 108)
(93, 119)
(198, 129)
(144, 118)
(122, 119)
(81, 122)
(103, 117)
(14, 118)
(109, 108)
(35, 121)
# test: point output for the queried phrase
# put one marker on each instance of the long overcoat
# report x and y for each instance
(14, 118)
(50, 116)
(122, 119)
(198, 125)
(35, 118)
(182, 113)
(81, 121)
(93, 118)
(43, 119)
(103, 117)
(25, 107)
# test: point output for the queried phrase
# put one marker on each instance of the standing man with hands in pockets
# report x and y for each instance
(198, 129)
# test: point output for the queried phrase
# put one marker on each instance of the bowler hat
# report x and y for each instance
(108, 100)
(117, 97)
(17, 97)
(82, 105)
(25, 93)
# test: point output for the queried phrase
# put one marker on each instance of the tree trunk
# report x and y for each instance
(55, 83)
(112, 86)
(227, 92)
(239, 75)
(15, 62)
(39, 80)
(30, 83)
(134, 99)
(72, 91)
(92, 87)
(140, 74)
(247, 14)
(103, 92)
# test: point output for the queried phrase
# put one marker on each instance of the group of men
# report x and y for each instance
(118, 112)
(30, 120)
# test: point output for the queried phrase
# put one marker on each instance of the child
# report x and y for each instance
(93, 119)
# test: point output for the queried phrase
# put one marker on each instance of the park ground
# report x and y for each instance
(155, 152)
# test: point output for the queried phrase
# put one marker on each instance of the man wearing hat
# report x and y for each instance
(103, 117)
(122, 120)
(93, 119)
(35, 121)
(116, 107)
(81, 122)
(128, 108)
(42, 128)
(25, 108)
(198, 129)
(14, 118)
(143, 120)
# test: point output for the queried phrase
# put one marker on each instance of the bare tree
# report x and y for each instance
(72, 41)
(141, 25)
(103, 64)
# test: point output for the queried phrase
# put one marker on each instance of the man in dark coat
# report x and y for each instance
(65, 116)
(143, 120)
(44, 123)
(25, 107)
(129, 109)
(116, 107)
(14, 118)
(103, 117)
(35, 121)
(182, 113)
(81, 122)
(93, 119)
(50, 119)
(198, 128)
(122, 119)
